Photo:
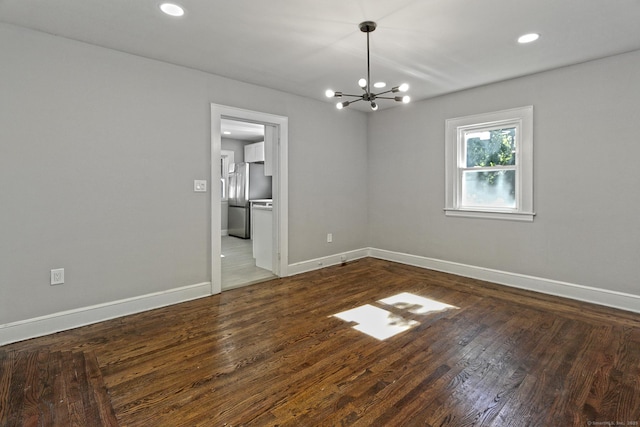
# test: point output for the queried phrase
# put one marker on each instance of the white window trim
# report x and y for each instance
(454, 152)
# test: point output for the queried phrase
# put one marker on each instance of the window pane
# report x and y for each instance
(496, 147)
(489, 189)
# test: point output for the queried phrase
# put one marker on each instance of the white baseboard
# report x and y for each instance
(620, 300)
(56, 322)
(318, 263)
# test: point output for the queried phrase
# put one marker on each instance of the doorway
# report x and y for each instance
(247, 199)
(275, 137)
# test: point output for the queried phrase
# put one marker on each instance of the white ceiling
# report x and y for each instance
(306, 46)
(244, 131)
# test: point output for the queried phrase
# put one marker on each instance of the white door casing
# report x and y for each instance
(279, 125)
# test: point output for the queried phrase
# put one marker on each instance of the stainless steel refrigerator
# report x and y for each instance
(246, 182)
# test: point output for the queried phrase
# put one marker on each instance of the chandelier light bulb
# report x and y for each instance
(329, 93)
(362, 83)
(339, 106)
(374, 106)
(406, 99)
(403, 87)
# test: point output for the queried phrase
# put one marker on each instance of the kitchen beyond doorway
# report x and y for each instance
(244, 181)
(236, 262)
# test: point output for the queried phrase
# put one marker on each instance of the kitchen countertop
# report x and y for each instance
(262, 207)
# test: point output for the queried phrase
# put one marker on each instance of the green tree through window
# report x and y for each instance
(491, 148)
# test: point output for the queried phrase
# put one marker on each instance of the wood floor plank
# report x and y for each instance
(105, 414)
(46, 395)
(7, 360)
(61, 398)
(402, 375)
(33, 388)
(624, 378)
(275, 354)
(468, 374)
(16, 399)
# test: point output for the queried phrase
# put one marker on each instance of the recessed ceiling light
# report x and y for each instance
(172, 9)
(528, 38)
(379, 85)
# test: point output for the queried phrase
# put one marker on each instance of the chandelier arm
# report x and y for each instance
(382, 93)
(368, 95)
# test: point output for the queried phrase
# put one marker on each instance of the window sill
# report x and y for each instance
(508, 216)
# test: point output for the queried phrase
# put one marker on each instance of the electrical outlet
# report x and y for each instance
(343, 258)
(200, 186)
(329, 238)
(57, 276)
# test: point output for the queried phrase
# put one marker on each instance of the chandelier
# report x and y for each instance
(365, 84)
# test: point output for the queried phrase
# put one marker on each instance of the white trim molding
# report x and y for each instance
(70, 319)
(456, 132)
(327, 261)
(280, 187)
(56, 322)
(614, 299)
(510, 216)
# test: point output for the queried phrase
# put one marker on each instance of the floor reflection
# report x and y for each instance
(415, 304)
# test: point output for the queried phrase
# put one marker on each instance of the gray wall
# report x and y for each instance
(98, 153)
(99, 150)
(235, 145)
(586, 182)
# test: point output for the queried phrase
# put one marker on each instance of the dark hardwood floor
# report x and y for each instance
(276, 354)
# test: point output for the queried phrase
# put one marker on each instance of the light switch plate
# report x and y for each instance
(200, 186)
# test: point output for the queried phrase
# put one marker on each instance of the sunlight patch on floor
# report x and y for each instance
(376, 322)
(382, 324)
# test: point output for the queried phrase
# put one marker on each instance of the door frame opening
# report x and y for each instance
(280, 187)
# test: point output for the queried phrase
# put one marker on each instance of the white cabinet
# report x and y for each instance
(262, 219)
(254, 152)
(262, 152)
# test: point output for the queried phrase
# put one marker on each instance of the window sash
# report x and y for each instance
(490, 197)
(462, 143)
(457, 131)
(490, 168)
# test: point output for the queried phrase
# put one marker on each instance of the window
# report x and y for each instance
(489, 165)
